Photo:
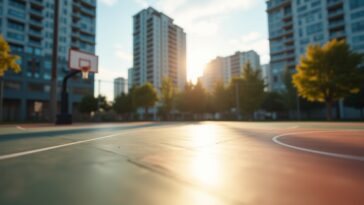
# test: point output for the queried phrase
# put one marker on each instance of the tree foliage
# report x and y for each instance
(145, 96)
(123, 104)
(289, 95)
(273, 102)
(194, 99)
(251, 90)
(103, 104)
(88, 104)
(328, 73)
(356, 100)
(7, 61)
(198, 99)
(221, 98)
(168, 94)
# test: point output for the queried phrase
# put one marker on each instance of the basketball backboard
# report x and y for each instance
(78, 60)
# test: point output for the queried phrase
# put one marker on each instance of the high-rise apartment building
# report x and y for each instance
(27, 25)
(293, 24)
(159, 49)
(267, 76)
(119, 86)
(130, 77)
(223, 69)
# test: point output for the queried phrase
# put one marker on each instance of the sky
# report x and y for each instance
(213, 27)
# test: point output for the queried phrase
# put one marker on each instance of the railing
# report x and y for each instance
(336, 12)
(336, 23)
(337, 34)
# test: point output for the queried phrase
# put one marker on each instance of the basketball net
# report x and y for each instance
(85, 70)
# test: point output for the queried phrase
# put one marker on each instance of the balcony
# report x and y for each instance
(88, 12)
(35, 23)
(338, 34)
(35, 33)
(89, 3)
(336, 13)
(274, 5)
(37, 4)
(16, 15)
(35, 43)
(88, 40)
(76, 16)
(36, 13)
(337, 24)
(331, 3)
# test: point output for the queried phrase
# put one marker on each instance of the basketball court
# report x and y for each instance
(183, 163)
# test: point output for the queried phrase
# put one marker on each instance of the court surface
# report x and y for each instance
(183, 163)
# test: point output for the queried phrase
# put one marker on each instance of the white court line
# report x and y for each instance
(19, 154)
(20, 127)
(331, 154)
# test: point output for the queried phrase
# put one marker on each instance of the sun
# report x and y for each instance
(195, 68)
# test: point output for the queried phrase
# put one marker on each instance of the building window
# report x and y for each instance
(16, 48)
(356, 27)
(16, 36)
(35, 87)
(12, 85)
(358, 39)
(356, 3)
(17, 14)
(16, 26)
(314, 28)
(357, 15)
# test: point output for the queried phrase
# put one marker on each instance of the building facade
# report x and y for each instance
(120, 86)
(223, 69)
(159, 49)
(293, 24)
(130, 77)
(267, 77)
(27, 25)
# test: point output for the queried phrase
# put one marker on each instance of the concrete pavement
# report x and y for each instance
(183, 163)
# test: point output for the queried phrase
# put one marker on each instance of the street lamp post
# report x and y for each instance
(298, 107)
(53, 94)
(1, 97)
(237, 91)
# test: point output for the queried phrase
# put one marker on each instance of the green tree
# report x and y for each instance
(221, 98)
(182, 101)
(194, 99)
(251, 90)
(145, 96)
(356, 101)
(123, 104)
(88, 104)
(104, 105)
(273, 102)
(168, 93)
(328, 73)
(197, 100)
(7, 60)
(290, 92)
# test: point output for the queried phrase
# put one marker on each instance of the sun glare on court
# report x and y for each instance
(204, 167)
(202, 134)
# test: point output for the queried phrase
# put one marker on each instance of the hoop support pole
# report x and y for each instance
(64, 117)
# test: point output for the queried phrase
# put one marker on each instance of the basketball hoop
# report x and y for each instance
(85, 62)
(85, 70)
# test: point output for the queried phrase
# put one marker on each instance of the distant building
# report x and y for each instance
(120, 86)
(130, 77)
(28, 27)
(216, 72)
(159, 49)
(223, 69)
(295, 24)
(267, 76)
